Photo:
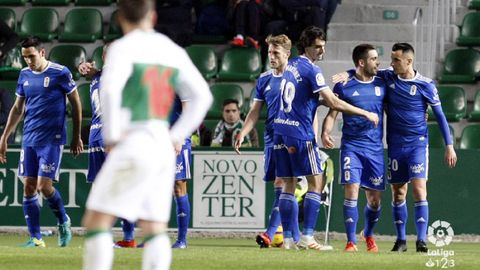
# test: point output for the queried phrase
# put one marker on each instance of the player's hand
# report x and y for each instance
(178, 148)
(372, 117)
(87, 68)
(3, 150)
(450, 156)
(109, 147)
(76, 147)
(327, 141)
(341, 77)
(238, 143)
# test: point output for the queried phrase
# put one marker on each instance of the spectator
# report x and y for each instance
(245, 18)
(8, 39)
(229, 127)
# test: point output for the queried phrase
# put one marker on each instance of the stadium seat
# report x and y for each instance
(93, 2)
(474, 4)
(204, 59)
(469, 30)
(462, 65)
(263, 112)
(8, 16)
(454, 103)
(240, 64)
(50, 2)
(82, 25)
(435, 138)
(12, 64)
(470, 138)
(475, 114)
(221, 92)
(18, 137)
(97, 57)
(14, 2)
(260, 127)
(40, 22)
(84, 93)
(114, 30)
(70, 56)
(211, 124)
(11, 86)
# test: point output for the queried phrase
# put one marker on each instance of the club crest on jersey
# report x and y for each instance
(320, 79)
(413, 90)
(46, 81)
(378, 91)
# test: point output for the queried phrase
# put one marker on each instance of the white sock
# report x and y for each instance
(98, 254)
(157, 253)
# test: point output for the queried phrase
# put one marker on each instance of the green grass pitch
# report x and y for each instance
(232, 254)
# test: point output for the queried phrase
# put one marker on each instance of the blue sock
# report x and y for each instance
(421, 219)
(371, 218)
(31, 211)
(350, 218)
(400, 216)
(311, 207)
(294, 222)
(275, 214)
(286, 202)
(55, 203)
(128, 229)
(183, 216)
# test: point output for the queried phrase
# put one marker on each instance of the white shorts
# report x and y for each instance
(136, 181)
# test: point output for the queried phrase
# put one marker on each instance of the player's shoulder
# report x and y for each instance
(56, 69)
(424, 81)
(265, 76)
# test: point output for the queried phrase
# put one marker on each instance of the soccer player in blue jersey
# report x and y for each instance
(42, 90)
(295, 149)
(361, 157)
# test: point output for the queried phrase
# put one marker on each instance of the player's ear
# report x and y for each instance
(42, 52)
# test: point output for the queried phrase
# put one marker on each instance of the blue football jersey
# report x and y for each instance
(407, 103)
(300, 90)
(175, 114)
(96, 124)
(267, 90)
(358, 133)
(45, 104)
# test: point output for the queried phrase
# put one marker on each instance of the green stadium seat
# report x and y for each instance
(247, 106)
(40, 22)
(8, 16)
(17, 139)
(435, 138)
(260, 127)
(462, 65)
(240, 64)
(114, 29)
(204, 59)
(11, 86)
(474, 4)
(84, 93)
(14, 2)
(221, 92)
(70, 56)
(454, 103)
(50, 2)
(211, 124)
(93, 2)
(209, 39)
(475, 113)
(470, 30)
(97, 57)
(470, 138)
(82, 25)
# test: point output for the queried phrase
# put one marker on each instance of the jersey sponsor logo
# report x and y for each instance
(355, 94)
(96, 149)
(320, 79)
(376, 181)
(417, 168)
(46, 81)
(413, 90)
(287, 122)
(48, 168)
(25, 83)
(279, 146)
(378, 91)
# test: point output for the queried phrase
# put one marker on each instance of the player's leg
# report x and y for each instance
(372, 214)
(98, 251)
(183, 212)
(350, 214)
(157, 254)
(128, 230)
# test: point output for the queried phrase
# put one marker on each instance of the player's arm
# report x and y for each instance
(14, 117)
(76, 145)
(250, 121)
(327, 127)
(337, 104)
(450, 155)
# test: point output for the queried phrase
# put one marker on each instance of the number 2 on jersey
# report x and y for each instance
(287, 90)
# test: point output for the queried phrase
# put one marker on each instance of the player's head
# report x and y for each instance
(231, 111)
(34, 53)
(134, 14)
(365, 58)
(402, 58)
(312, 43)
(278, 51)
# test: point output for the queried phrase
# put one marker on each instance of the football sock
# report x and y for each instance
(421, 219)
(183, 216)
(350, 218)
(55, 203)
(371, 218)
(294, 222)
(275, 214)
(400, 216)
(286, 202)
(311, 207)
(157, 254)
(128, 229)
(31, 211)
(98, 253)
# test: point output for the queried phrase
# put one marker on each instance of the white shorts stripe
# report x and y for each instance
(426, 162)
(312, 158)
(187, 164)
(57, 172)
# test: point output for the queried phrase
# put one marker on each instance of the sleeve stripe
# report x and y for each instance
(321, 88)
(71, 91)
(258, 99)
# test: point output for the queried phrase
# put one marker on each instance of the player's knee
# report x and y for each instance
(374, 203)
(46, 190)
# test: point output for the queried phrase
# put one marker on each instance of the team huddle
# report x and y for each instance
(146, 101)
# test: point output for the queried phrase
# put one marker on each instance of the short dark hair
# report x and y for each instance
(404, 47)
(135, 10)
(308, 36)
(230, 101)
(32, 41)
(361, 52)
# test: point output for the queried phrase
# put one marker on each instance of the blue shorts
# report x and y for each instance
(363, 168)
(406, 163)
(96, 158)
(294, 157)
(40, 161)
(182, 170)
(269, 164)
